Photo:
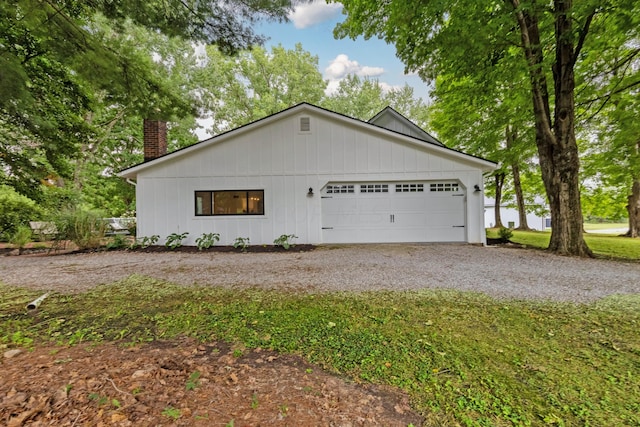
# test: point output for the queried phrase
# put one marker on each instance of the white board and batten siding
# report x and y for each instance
(276, 156)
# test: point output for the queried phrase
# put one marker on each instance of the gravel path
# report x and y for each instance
(496, 271)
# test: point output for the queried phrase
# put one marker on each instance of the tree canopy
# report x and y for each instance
(69, 67)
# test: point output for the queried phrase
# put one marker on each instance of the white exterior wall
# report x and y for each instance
(508, 215)
(285, 163)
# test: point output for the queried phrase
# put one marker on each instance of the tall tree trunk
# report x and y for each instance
(522, 210)
(633, 208)
(510, 135)
(556, 142)
(496, 207)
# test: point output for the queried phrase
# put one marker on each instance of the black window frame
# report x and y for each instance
(212, 199)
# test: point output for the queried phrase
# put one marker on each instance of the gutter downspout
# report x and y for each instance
(132, 182)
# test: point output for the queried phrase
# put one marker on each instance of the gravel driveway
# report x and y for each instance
(496, 271)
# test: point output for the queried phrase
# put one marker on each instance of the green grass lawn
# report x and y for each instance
(602, 245)
(464, 358)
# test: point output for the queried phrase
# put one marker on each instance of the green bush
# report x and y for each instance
(241, 243)
(21, 237)
(144, 242)
(286, 241)
(84, 228)
(118, 241)
(174, 240)
(505, 234)
(207, 240)
(15, 210)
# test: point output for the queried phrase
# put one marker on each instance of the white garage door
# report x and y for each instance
(393, 212)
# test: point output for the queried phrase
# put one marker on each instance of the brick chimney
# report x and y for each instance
(155, 139)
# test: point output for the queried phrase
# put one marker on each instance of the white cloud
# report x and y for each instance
(309, 14)
(342, 66)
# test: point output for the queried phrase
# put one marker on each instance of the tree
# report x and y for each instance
(364, 98)
(58, 59)
(435, 38)
(256, 83)
(356, 97)
(609, 102)
(487, 115)
(613, 162)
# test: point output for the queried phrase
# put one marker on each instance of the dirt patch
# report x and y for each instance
(185, 383)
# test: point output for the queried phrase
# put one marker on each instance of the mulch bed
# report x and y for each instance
(46, 248)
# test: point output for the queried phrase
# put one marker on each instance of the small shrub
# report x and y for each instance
(505, 234)
(241, 243)
(15, 210)
(285, 241)
(118, 241)
(20, 237)
(84, 228)
(174, 240)
(145, 241)
(207, 240)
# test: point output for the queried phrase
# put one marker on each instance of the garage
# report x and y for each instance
(368, 212)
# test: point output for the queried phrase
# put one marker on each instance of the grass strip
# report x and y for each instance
(465, 359)
(602, 245)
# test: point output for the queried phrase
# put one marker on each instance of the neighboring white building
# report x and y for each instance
(510, 217)
(322, 176)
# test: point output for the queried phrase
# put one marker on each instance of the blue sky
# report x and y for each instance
(312, 24)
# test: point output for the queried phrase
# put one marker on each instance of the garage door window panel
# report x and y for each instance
(409, 188)
(444, 187)
(374, 188)
(340, 189)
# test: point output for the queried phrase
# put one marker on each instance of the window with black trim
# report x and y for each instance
(229, 202)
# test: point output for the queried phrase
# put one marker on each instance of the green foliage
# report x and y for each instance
(285, 240)
(207, 240)
(117, 241)
(463, 358)
(83, 227)
(241, 243)
(174, 240)
(364, 98)
(20, 237)
(54, 199)
(76, 76)
(258, 83)
(145, 241)
(505, 234)
(171, 412)
(15, 210)
(194, 381)
(604, 203)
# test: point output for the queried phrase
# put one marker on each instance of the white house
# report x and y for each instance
(322, 176)
(511, 219)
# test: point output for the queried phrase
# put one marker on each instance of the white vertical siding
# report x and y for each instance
(285, 163)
